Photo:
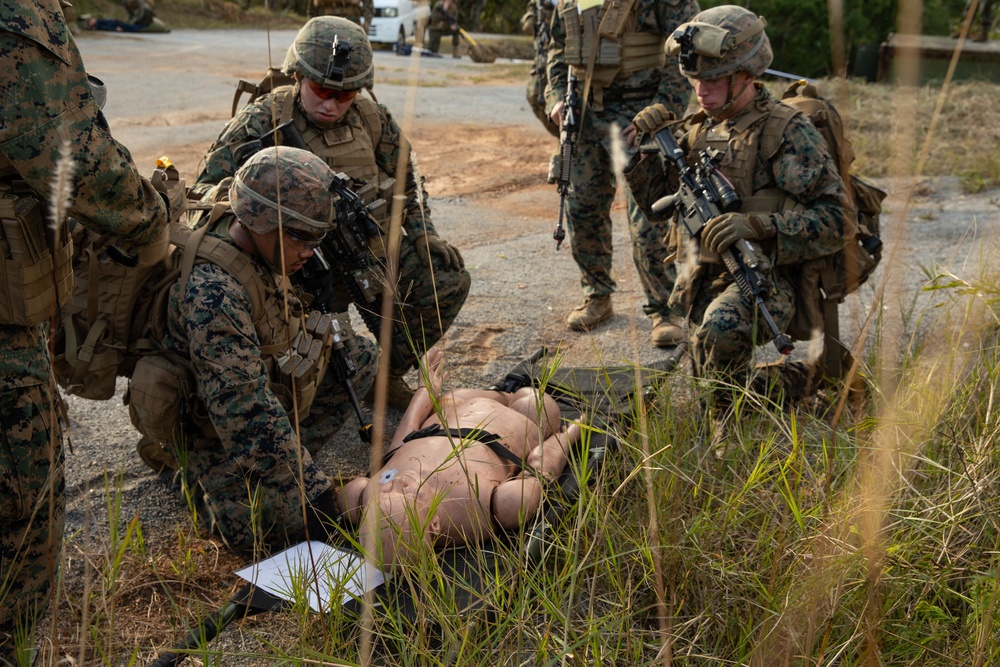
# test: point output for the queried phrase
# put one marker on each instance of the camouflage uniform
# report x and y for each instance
(47, 101)
(797, 189)
(354, 10)
(440, 24)
(593, 179)
(530, 23)
(430, 298)
(139, 12)
(240, 454)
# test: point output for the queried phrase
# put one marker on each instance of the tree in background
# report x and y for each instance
(800, 29)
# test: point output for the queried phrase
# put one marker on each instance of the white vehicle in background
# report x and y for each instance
(396, 20)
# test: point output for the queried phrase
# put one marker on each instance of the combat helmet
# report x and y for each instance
(304, 181)
(721, 41)
(334, 52)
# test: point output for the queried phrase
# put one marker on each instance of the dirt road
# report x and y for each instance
(484, 156)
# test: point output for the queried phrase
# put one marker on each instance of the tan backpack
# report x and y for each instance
(274, 78)
(117, 313)
(826, 281)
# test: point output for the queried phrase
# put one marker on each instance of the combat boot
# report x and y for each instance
(398, 393)
(155, 455)
(667, 330)
(593, 311)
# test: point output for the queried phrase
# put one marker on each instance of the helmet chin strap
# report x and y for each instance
(275, 261)
(732, 98)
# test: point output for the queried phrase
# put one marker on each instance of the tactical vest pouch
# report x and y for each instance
(160, 386)
(35, 265)
(616, 17)
(574, 35)
(302, 368)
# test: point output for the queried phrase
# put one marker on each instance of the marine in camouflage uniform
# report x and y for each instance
(47, 101)
(359, 11)
(359, 137)
(793, 199)
(443, 21)
(621, 86)
(240, 455)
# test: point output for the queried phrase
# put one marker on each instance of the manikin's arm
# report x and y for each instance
(519, 496)
(421, 405)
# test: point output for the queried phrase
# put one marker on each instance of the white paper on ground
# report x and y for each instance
(317, 569)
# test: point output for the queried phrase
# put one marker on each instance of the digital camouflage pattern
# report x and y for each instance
(245, 476)
(439, 25)
(725, 325)
(593, 180)
(47, 101)
(354, 10)
(430, 298)
(304, 182)
(539, 12)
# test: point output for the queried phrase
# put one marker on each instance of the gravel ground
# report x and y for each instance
(172, 93)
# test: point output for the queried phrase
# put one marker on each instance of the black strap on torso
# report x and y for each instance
(491, 440)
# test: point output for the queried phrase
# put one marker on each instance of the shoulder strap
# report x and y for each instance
(774, 128)
(199, 246)
(368, 108)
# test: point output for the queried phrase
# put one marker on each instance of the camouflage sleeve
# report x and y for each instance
(47, 103)
(368, 12)
(556, 69)
(232, 380)
(674, 90)
(418, 214)
(250, 122)
(804, 169)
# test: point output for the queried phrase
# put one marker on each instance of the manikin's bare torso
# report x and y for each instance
(461, 486)
(446, 477)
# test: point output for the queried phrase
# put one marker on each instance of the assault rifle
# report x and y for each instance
(568, 133)
(343, 261)
(705, 193)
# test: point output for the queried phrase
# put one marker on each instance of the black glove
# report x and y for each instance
(432, 244)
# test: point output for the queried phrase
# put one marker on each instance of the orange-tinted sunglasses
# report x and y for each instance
(329, 93)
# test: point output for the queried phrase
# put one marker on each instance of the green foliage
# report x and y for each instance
(800, 29)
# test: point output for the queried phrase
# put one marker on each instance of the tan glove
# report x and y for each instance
(450, 257)
(167, 181)
(725, 230)
(652, 119)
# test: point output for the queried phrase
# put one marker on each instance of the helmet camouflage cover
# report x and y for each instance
(301, 180)
(334, 52)
(721, 41)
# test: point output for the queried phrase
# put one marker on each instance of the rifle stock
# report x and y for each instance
(705, 193)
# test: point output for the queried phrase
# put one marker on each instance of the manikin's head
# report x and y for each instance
(722, 51)
(331, 59)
